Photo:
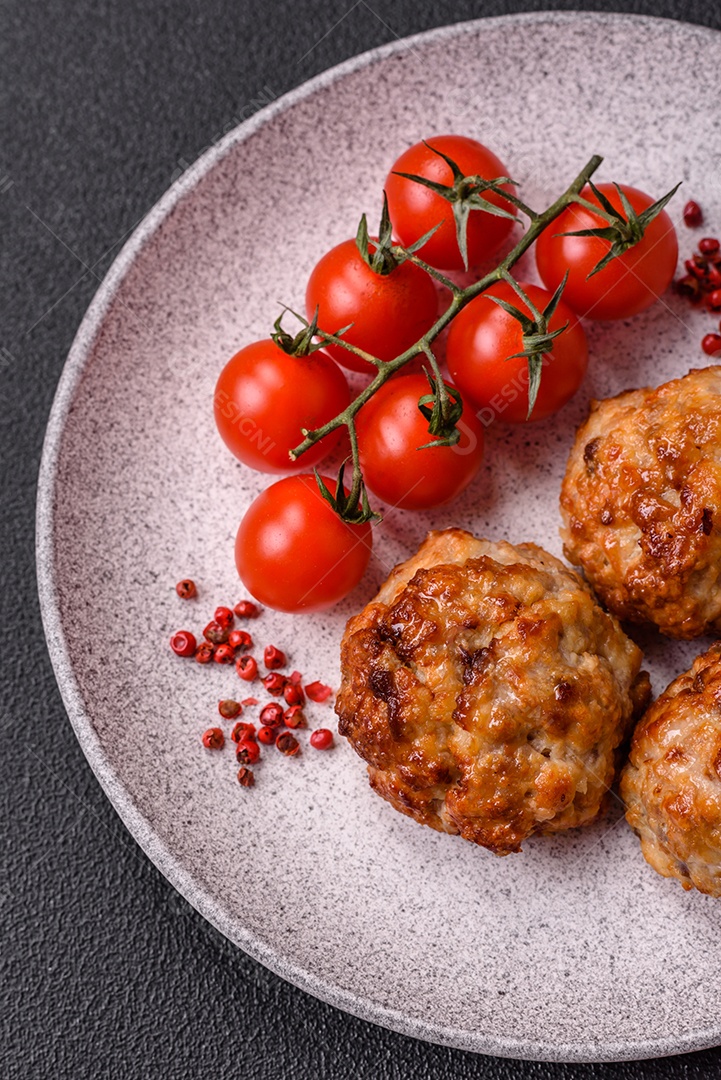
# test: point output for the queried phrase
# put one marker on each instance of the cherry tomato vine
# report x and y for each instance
(442, 406)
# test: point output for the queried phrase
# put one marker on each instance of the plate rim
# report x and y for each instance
(580, 1050)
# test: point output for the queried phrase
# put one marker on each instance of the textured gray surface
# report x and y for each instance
(108, 978)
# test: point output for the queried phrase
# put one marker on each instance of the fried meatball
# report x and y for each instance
(488, 692)
(641, 502)
(672, 782)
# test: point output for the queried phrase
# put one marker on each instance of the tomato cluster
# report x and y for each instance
(450, 203)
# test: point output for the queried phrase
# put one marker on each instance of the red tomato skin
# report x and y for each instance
(264, 397)
(414, 209)
(631, 282)
(292, 551)
(481, 338)
(391, 427)
(389, 312)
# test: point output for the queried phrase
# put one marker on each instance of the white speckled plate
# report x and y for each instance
(574, 950)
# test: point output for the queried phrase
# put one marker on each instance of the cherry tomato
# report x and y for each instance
(391, 428)
(293, 552)
(389, 312)
(629, 283)
(264, 397)
(481, 338)
(415, 209)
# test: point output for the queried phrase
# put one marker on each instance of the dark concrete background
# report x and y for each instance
(106, 971)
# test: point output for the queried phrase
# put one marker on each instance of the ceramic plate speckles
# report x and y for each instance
(574, 950)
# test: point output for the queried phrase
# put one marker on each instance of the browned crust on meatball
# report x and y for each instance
(641, 503)
(672, 782)
(488, 692)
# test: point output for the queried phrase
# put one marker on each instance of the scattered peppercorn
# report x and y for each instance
(213, 739)
(224, 617)
(245, 777)
(247, 752)
(183, 643)
(697, 266)
(294, 717)
(215, 633)
(692, 214)
(224, 654)
(293, 693)
(702, 283)
(709, 245)
(711, 344)
(240, 639)
(273, 658)
(703, 271)
(689, 287)
(246, 609)
(204, 652)
(241, 731)
(287, 744)
(271, 715)
(318, 691)
(221, 642)
(274, 683)
(321, 739)
(247, 667)
(714, 300)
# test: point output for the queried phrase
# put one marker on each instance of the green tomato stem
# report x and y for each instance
(407, 256)
(595, 209)
(441, 391)
(333, 339)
